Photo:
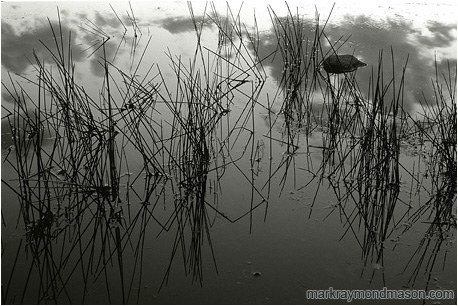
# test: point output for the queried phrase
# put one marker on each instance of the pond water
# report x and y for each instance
(176, 153)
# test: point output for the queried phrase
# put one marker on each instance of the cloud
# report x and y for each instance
(18, 49)
(176, 25)
(442, 35)
(371, 41)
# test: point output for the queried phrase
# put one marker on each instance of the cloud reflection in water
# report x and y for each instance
(17, 49)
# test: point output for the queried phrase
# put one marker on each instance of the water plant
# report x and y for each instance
(97, 175)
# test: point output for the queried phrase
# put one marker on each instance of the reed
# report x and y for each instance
(436, 128)
(87, 211)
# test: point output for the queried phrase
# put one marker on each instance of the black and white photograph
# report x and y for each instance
(229, 152)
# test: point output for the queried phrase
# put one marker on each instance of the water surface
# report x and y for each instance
(221, 192)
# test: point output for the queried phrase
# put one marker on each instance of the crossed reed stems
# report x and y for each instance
(72, 153)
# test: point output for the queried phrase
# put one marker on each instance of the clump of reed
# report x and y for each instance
(436, 129)
(203, 132)
(70, 181)
(367, 163)
(300, 56)
(78, 185)
(361, 162)
(77, 193)
(378, 177)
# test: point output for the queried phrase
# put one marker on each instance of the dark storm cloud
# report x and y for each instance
(17, 49)
(96, 61)
(442, 35)
(177, 25)
(6, 97)
(102, 21)
(82, 16)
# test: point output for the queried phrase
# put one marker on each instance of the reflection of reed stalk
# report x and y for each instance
(438, 131)
(79, 212)
(299, 54)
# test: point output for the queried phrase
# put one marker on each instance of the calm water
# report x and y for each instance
(257, 215)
